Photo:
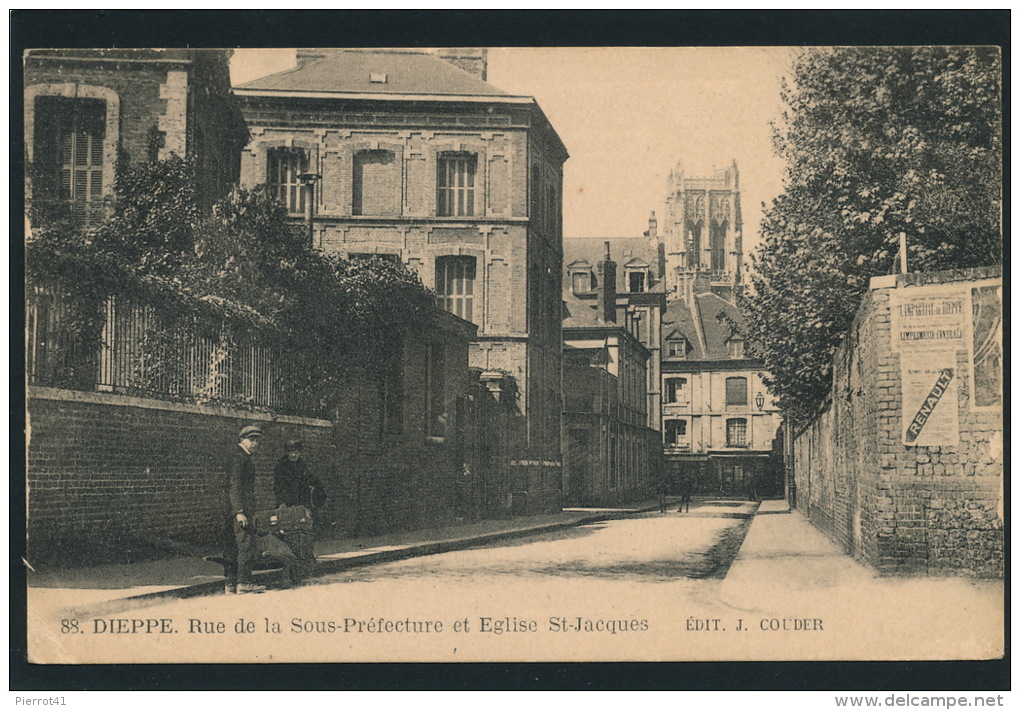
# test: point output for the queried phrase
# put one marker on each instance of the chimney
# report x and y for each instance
(653, 227)
(473, 60)
(607, 289)
(307, 55)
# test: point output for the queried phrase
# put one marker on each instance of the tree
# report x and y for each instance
(339, 315)
(879, 143)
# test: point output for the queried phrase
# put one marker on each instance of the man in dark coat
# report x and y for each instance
(294, 485)
(241, 539)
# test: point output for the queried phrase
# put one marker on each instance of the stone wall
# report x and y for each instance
(933, 505)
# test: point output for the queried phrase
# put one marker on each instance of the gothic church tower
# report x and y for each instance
(703, 234)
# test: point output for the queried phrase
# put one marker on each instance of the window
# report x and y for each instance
(736, 391)
(677, 348)
(637, 281)
(676, 390)
(435, 378)
(694, 252)
(635, 326)
(456, 183)
(69, 138)
(718, 246)
(284, 165)
(455, 285)
(736, 432)
(376, 186)
(735, 348)
(676, 432)
(582, 282)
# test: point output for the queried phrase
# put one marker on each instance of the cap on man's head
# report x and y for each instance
(294, 445)
(250, 432)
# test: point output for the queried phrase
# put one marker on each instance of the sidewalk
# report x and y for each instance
(788, 570)
(137, 584)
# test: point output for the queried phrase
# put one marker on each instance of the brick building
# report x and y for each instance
(90, 112)
(416, 158)
(610, 453)
(676, 293)
(903, 465)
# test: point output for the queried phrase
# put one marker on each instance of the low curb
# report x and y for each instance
(332, 566)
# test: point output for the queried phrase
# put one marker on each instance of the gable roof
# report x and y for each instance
(351, 72)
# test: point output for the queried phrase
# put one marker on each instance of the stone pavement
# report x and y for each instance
(123, 586)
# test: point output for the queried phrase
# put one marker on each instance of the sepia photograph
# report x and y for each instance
(504, 354)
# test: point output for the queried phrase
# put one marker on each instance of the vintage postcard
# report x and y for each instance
(496, 354)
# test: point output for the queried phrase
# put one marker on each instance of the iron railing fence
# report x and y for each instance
(139, 349)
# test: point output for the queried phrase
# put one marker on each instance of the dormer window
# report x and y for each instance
(582, 282)
(678, 348)
(582, 278)
(735, 347)
(637, 271)
(636, 281)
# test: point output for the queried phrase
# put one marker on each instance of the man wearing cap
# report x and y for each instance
(295, 485)
(242, 546)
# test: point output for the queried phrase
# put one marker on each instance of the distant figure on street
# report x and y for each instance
(294, 485)
(685, 493)
(661, 489)
(241, 541)
(752, 489)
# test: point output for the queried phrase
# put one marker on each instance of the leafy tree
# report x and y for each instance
(245, 259)
(155, 214)
(879, 143)
(339, 315)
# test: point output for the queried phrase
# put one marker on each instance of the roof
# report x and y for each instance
(719, 319)
(351, 72)
(622, 250)
(579, 314)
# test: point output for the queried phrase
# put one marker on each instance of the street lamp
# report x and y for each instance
(308, 181)
(759, 400)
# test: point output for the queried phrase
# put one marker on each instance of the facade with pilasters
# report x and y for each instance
(416, 158)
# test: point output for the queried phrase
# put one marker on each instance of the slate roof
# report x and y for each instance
(350, 73)
(714, 315)
(622, 250)
(580, 314)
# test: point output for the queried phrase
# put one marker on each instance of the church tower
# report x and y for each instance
(702, 237)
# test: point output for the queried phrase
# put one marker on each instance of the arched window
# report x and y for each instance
(718, 246)
(694, 245)
(70, 137)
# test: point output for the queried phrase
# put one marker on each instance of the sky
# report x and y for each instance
(628, 115)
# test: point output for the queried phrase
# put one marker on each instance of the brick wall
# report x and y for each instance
(113, 477)
(904, 509)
